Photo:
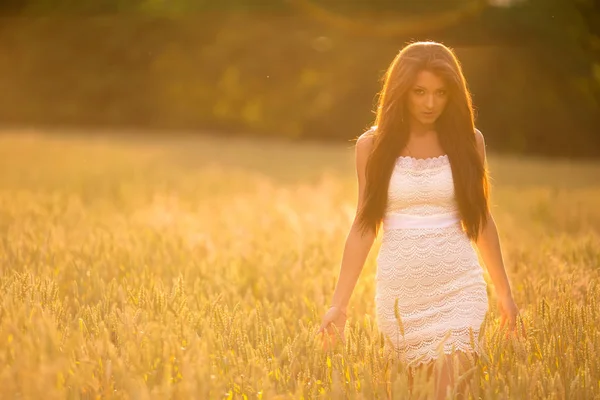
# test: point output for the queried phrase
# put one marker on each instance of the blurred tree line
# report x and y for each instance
(298, 68)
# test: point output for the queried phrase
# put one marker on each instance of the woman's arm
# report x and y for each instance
(357, 247)
(358, 244)
(488, 245)
(355, 254)
(488, 242)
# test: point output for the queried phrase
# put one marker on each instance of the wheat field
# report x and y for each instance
(199, 268)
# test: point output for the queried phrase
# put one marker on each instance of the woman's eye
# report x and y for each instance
(419, 91)
(442, 92)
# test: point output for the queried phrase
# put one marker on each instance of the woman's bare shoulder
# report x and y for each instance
(478, 135)
(366, 139)
(480, 140)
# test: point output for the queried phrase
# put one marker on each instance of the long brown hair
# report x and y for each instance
(455, 128)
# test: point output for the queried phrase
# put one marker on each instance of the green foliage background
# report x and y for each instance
(271, 68)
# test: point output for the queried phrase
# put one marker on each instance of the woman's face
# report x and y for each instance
(427, 98)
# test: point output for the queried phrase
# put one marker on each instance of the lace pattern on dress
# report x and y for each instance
(429, 276)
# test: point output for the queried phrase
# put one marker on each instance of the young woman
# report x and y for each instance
(422, 177)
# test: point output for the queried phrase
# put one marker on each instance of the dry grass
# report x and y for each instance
(199, 268)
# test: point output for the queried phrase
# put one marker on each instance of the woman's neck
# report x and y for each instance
(422, 132)
(419, 130)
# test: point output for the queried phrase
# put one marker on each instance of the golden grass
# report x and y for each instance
(199, 268)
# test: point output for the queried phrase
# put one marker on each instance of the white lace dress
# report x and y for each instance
(428, 264)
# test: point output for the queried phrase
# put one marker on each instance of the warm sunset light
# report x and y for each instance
(300, 199)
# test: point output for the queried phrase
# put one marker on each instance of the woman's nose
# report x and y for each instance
(429, 101)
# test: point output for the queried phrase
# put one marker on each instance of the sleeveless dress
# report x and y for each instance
(430, 291)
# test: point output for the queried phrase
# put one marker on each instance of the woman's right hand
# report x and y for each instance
(333, 316)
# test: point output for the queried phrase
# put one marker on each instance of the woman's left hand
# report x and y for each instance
(509, 312)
